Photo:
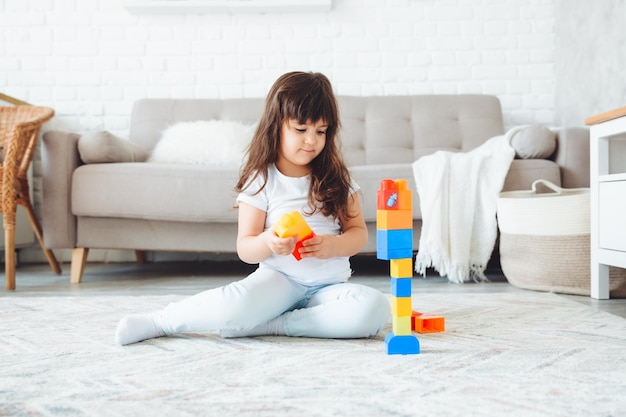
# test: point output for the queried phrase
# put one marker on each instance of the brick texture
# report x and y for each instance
(91, 59)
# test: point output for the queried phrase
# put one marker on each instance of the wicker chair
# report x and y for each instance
(19, 130)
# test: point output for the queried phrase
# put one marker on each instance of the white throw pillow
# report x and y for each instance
(210, 142)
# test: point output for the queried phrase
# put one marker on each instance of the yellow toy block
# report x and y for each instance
(401, 325)
(293, 224)
(401, 268)
(394, 219)
(401, 306)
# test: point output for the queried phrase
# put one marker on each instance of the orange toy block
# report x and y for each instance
(427, 323)
(394, 219)
(405, 197)
(293, 224)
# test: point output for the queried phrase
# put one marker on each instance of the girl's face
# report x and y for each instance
(299, 145)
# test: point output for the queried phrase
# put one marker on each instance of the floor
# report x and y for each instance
(161, 278)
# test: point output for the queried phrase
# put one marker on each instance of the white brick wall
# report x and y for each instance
(91, 59)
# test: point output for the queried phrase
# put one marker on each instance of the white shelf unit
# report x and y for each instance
(608, 197)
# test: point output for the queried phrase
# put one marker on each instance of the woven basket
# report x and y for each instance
(545, 242)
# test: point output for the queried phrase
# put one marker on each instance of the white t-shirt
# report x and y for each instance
(282, 195)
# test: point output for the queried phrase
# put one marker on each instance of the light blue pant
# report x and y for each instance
(343, 310)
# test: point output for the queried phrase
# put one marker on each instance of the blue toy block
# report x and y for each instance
(388, 255)
(394, 239)
(402, 345)
(401, 287)
(391, 243)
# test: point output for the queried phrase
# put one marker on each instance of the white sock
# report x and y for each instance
(135, 328)
(274, 327)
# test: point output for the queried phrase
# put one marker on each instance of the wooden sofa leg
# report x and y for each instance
(79, 259)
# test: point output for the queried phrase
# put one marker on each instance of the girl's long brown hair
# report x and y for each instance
(303, 96)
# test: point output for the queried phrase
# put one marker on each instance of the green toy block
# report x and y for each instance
(401, 326)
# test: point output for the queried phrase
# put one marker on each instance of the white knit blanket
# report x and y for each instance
(458, 195)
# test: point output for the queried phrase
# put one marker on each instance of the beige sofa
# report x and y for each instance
(180, 207)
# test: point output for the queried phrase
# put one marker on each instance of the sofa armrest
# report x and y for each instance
(59, 159)
(572, 156)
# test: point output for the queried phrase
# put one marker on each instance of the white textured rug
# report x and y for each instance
(511, 354)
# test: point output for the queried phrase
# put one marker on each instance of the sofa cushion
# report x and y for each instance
(192, 192)
(105, 147)
(401, 129)
(186, 193)
(533, 142)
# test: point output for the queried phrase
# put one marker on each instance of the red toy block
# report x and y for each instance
(427, 323)
(387, 196)
(394, 195)
(296, 251)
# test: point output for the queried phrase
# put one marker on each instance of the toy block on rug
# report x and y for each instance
(427, 323)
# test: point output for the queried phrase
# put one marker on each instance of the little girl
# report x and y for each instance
(293, 163)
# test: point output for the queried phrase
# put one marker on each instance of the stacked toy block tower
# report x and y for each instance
(394, 242)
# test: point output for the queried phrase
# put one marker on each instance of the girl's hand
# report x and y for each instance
(319, 246)
(281, 245)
